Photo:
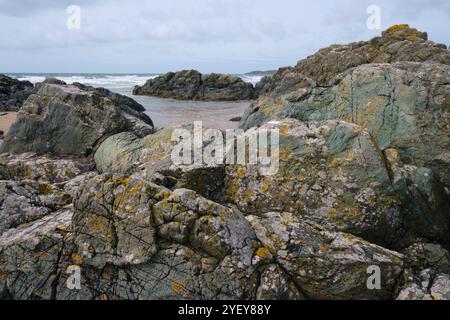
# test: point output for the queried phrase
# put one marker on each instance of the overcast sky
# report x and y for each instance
(235, 36)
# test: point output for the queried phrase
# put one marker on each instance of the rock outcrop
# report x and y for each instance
(13, 93)
(192, 85)
(73, 120)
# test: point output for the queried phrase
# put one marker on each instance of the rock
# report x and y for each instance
(275, 284)
(113, 222)
(420, 192)
(426, 276)
(119, 153)
(398, 43)
(126, 153)
(151, 157)
(98, 237)
(27, 201)
(32, 186)
(326, 265)
(422, 256)
(330, 173)
(427, 286)
(404, 105)
(49, 81)
(260, 86)
(220, 87)
(32, 257)
(13, 93)
(53, 81)
(89, 116)
(192, 85)
(44, 169)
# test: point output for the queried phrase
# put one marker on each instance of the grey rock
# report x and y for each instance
(13, 93)
(326, 265)
(192, 85)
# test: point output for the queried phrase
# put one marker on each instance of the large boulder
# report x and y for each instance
(331, 173)
(13, 93)
(398, 43)
(404, 105)
(326, 265)
(151, 157)
(192, 85)
(73, 120)
(44, 168)
(158, 245)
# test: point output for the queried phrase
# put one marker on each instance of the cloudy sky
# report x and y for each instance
(153, 36)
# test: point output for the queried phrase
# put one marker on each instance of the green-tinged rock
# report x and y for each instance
(73, 120)
(151, 157)
(327, 265)
(119, 153)
(331, 173)
(113, 222)
(399, 43)
(404, 106)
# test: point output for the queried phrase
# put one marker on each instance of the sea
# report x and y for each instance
(164, 112)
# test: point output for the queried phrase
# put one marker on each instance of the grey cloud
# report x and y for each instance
(212, 35)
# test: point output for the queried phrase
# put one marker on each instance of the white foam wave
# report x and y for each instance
(252, 79)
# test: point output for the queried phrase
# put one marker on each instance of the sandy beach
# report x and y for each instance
(6, 120)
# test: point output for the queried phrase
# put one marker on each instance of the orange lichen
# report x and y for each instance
(397, 27)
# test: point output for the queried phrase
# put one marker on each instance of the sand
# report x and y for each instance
(6, 120)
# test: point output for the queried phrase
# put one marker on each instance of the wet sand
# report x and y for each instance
(6, 120)
(213, 114)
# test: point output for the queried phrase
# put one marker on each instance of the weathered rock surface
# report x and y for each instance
(326, 265)
(135, 240)
(192, 85)
(398, 43)
(202, 250)
(89, 116)
(13, 93)
(332, 173)
(404, 106)
(151, 157)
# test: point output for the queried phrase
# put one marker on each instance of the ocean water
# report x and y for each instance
(164, 112)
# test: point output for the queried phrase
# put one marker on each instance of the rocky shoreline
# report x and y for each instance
(192, 85)
(363, 184)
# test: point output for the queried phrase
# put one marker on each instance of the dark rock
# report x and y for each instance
(192, 85)
(13, 93)
(73, 120)
(49, 81)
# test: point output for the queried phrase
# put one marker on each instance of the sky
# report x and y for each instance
(232, 36)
